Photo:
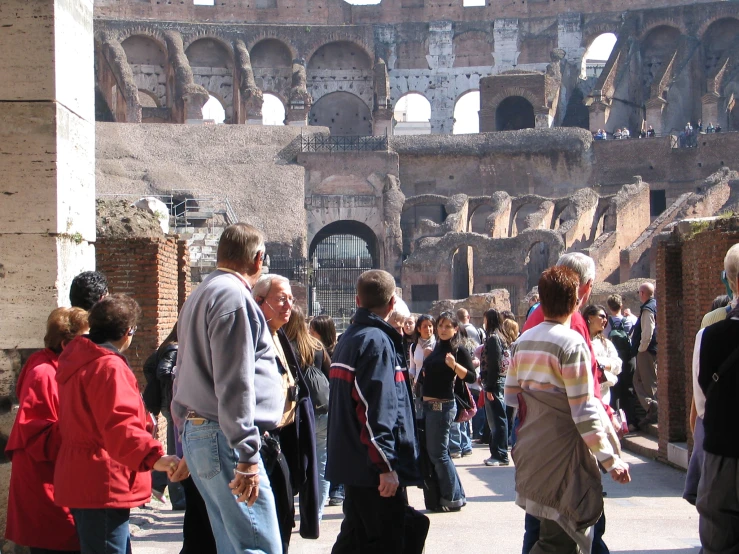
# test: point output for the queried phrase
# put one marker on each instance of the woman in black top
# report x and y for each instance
(495, 359)
(449, 361)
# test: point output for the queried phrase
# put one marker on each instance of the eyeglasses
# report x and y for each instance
(602, 316)
(282, 300)
(132, 331)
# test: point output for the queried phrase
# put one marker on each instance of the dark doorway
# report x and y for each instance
(536, 262)
(657, 202)
(345, 114)
(514, 113)
(338, 255)
(577, 114)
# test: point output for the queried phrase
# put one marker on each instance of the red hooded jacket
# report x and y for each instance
(32, 447)
(107, 448)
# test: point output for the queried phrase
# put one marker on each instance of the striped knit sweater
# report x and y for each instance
(553, 358)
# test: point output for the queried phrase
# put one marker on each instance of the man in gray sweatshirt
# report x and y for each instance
(228, 392)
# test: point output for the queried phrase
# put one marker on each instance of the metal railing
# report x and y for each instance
(343, 144)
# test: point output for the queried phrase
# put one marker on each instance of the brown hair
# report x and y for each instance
(509, 330)
(305, 344)
(63, 325)
(558, 291)
(112, 317)
(239, 245)
(375, 288)
(325, 328)
(615, 302)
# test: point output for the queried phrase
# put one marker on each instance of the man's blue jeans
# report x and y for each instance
(103, 531)
(438, 424)
(237, 528)
(321, 454)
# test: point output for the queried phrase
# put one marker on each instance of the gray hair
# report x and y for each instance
(581, 264)
(264, 284)
(401, 310)
(731, 266)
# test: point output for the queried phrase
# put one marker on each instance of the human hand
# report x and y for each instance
(427, 351)
(167, 464)
(490, 396)
(449, 360)
(181, 473)
(620, 474)
(626, 312)
(245, 484)
(475, 362)
(388, 484)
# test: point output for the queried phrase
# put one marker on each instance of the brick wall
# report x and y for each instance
(148, 270)
(689, 263)
(184, 275)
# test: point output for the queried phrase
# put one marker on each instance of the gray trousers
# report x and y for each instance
(718, 505)
(554, 540)
(645, 381)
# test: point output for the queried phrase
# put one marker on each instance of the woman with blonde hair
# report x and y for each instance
(310, 352)
(33, 518)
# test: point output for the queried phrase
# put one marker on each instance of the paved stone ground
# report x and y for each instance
(646, 516)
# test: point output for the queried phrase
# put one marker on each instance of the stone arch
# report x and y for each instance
(223, 43)
(464, 111)
(269, 36)
(148, 99)
(477, 220)
(147, 58)
(271, 53)
(513, 91)
(592, 32)
(655, 24)
(340, 55)
(411, 119)
(588, 54)
(344, 113)
(348, 227)
(212, 66)
(719, 38)
(473, 49)
(280, 118)
(657, 46)
(701, 34)
(515, 113)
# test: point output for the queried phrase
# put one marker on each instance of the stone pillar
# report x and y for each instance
(709, 109)
(655, 106)
(47, 163)
(598, 111)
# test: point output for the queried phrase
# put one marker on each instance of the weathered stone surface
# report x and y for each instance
(476, 305)
(629, 291)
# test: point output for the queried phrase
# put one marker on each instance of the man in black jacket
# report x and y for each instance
(371, 429)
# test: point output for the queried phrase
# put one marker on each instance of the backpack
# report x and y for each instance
(318, 386)
(620, 339)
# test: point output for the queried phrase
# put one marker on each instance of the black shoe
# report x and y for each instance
(335, 501)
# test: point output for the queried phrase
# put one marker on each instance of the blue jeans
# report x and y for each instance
(103, 531)
(321, 454)
(438, 424)
(237, 528)
(531, 535)
(459, 438)
(498, 422)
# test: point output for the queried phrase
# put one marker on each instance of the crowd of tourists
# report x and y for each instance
(687, 137)
(264, 405)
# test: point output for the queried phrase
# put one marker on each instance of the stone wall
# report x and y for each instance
(689, 264)
(147, 269)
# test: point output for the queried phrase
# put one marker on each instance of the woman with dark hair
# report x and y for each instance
(494, 363)
(107, 448)
(606, 354)
(33, 445)
(323, 328)
(310, 352)
(448, 363)
(423, 343)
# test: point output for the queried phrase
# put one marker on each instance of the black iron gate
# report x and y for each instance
(337, 262)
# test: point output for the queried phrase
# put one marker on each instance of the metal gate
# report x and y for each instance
(337, 262)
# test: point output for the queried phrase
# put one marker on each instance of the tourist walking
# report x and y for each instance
(644, 348)
(423, 344)
(606, 355)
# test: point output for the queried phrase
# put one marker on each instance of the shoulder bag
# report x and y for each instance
(466, 405)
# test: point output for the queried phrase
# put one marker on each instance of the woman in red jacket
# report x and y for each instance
(107, 452)
(33, 518)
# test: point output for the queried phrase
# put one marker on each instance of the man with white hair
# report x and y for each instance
(718, 380)
(644, 348)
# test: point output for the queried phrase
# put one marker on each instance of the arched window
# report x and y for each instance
(466, 114)
(273, 110)
(513, 114)
(412, 115)
(597, 54)
(213, 110)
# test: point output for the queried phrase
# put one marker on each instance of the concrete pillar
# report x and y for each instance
(47, 163)
(655, 107)
(598, 112)
(709, 109)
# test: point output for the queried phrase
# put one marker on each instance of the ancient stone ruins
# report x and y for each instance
(105, 99)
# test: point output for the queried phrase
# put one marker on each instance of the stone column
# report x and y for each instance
(47, 163)
(655, 107)
(709, 111)
(598, 111)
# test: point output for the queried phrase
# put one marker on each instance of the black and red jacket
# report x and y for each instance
(371, 419)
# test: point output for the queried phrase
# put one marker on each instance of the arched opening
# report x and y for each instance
(212, 68)
(148, 61)
(656, 50)
(596, 55)
(467, 114)
(270, 53)
(273, 110)
(147, 99)
(412, 115)
(340, 56)
(478, 221)
(339, 254)
(462, 283)
(537, 260)
(519, 218)
(577, 114)
(345, 114)
(720, 38)
(513, 114)
(213, 111)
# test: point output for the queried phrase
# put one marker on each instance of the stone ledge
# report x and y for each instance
(641, 444)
